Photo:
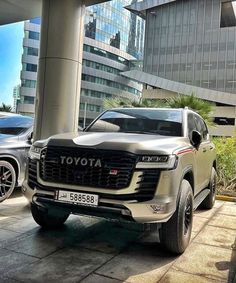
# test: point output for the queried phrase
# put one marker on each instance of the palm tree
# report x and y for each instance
(200, 106)
(5, 108)
(122, 102)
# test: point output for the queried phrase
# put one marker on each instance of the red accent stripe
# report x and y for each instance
(185, 151)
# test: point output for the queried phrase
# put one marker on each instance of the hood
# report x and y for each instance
(7, 139)
(12, 142)
(135, 143)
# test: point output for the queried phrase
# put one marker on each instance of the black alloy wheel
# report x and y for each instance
(175, 234)
(209, 201)
(187, 215)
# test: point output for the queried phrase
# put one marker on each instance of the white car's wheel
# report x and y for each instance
(7, 179)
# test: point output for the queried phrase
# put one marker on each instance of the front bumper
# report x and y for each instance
(157, 210)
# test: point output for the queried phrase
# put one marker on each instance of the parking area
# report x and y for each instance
(93, 250)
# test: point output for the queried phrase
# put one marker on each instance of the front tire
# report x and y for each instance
(46, 219)
(7, 179)
(176, 232)
(209, 201)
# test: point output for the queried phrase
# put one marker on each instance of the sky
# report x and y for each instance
(11, 39)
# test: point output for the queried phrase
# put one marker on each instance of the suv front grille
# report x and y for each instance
(145, 188)
(32, 173)
(115, 172)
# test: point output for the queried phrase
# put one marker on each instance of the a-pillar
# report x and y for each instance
(60, 65)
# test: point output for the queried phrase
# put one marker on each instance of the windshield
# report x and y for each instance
(143, 121)
(14, 125)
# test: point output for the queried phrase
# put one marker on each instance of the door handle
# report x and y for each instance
(211, 147)
(204, 149)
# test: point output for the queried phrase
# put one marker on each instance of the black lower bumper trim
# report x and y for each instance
(115, 213)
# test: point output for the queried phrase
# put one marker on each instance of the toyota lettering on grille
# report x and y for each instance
(82, 161)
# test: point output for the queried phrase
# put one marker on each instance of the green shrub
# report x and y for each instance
(226, 162)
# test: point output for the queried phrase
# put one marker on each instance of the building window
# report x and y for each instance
(94, 93)
(29, 67)
(224, 121)
(82, 106)
(36, 21)
(28, 83)
(109, 83)
(90, 107)
(32, 51)
(34, 35)
(228, 14)
(98, 66)
(106, 54)
(28, 99)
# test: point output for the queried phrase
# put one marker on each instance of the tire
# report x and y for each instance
(176, 232)
(7, 179)
(46, 219)
(209, 201)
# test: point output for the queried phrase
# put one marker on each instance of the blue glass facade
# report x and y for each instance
(36, 21)
(123, 35)
(112, 24)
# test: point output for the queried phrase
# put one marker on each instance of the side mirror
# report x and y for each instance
(196, 139)
(30, 138)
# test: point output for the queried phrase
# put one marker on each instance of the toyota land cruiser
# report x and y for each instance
(138, 164)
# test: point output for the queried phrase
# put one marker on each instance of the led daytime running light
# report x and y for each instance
(155, 158)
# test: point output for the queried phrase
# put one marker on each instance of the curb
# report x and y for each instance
(226, 198)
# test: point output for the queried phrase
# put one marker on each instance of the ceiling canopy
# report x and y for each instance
(12, 11)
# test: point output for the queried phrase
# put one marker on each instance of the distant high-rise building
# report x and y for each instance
(109, 30)
(29, 67)
(16, 97)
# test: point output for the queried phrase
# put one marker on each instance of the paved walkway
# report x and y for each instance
(89, 250)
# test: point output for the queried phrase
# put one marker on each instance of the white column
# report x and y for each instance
(60, 65)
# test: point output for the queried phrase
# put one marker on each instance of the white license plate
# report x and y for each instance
(77, 198)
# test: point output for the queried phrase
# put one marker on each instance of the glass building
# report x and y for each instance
(114, 39)
(194, 43)
(190, 47)
(112, 24)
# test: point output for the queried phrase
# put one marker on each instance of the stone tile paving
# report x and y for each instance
(91, 250)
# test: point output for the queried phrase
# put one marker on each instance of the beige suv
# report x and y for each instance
(135, 164)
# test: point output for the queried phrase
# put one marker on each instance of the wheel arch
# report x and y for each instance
(215, 165)
(14, 162)
(189, 176)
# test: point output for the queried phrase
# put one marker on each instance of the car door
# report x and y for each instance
(22, 151)
(198, 163)
(206, 150)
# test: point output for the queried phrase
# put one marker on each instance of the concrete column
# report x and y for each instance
(60, 65)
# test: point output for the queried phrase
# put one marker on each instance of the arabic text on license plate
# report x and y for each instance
(78, 198)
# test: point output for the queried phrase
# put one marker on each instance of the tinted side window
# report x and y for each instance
(191, 124)
(204, 130)
(201, 127)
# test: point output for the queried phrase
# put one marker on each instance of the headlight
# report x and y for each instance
(34, 152)
(157, 161)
